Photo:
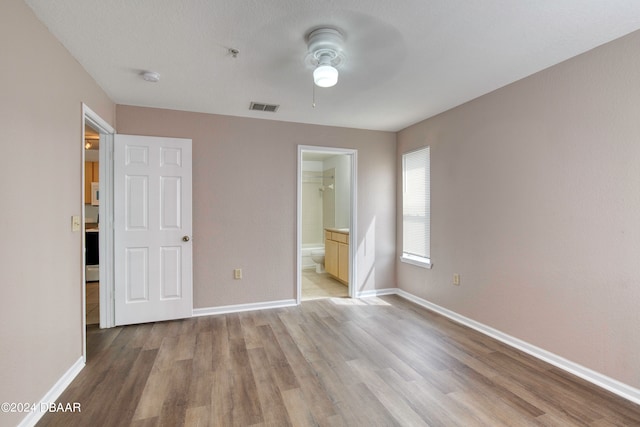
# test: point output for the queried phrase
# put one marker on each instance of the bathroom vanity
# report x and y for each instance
(336, 253)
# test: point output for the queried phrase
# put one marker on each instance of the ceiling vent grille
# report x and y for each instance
(259, 106)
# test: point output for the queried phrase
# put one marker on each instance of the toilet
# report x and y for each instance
(317, 256)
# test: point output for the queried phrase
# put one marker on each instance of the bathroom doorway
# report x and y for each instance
(326, 223)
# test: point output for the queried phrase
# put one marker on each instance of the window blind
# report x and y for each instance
(416, 203)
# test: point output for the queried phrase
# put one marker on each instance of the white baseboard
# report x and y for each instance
(208, 311)
(33, 417)
(377, 292)
(621, 389)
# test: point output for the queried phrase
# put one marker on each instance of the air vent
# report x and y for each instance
(258, 106)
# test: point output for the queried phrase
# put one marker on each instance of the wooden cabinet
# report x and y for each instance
(336, 255)
(331, 257)
(343, 262)
(91, 174)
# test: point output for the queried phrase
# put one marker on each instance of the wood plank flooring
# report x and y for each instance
(330, 362)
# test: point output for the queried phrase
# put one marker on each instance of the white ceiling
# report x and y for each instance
(406, 60)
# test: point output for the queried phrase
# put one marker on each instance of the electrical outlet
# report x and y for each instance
(237, 273)
(456, 279)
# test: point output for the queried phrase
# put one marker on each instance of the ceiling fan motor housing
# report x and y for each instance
(325, 46)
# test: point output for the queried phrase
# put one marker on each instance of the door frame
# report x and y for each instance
(353, 226)
(105, 210)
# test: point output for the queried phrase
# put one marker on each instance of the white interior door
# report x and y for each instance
(152, 229)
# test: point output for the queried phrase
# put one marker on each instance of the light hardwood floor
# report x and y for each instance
(329, 362)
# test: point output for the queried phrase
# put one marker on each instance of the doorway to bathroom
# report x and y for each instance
(326, 223)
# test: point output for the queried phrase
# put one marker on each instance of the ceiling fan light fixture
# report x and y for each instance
(325, 47)
(325, 76)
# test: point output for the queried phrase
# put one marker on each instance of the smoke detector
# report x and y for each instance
(151, 76)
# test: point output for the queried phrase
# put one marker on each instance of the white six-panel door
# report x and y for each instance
(152, 229)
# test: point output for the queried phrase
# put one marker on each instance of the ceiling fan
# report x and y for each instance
(326, 54)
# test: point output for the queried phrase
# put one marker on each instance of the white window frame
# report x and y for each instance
(406, 257)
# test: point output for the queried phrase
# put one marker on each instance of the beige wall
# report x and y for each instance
(41, 91)
(536, 203)
(244, 200)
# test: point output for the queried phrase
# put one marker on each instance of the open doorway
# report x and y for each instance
(326, 222)
(91, 224)
(97, 213)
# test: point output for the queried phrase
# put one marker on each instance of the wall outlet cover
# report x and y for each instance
(75, 223)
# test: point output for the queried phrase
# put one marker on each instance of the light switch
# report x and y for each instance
(237, 273)
(75, 223)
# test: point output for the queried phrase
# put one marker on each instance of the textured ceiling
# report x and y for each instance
(406, 60)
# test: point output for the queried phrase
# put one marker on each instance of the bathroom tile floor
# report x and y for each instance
(316, 286)
(93, 303)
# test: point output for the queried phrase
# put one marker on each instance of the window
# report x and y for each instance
(416, 208)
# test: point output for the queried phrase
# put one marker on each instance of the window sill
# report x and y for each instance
(417, 261)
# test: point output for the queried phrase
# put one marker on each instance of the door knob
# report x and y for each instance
(185, 238)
